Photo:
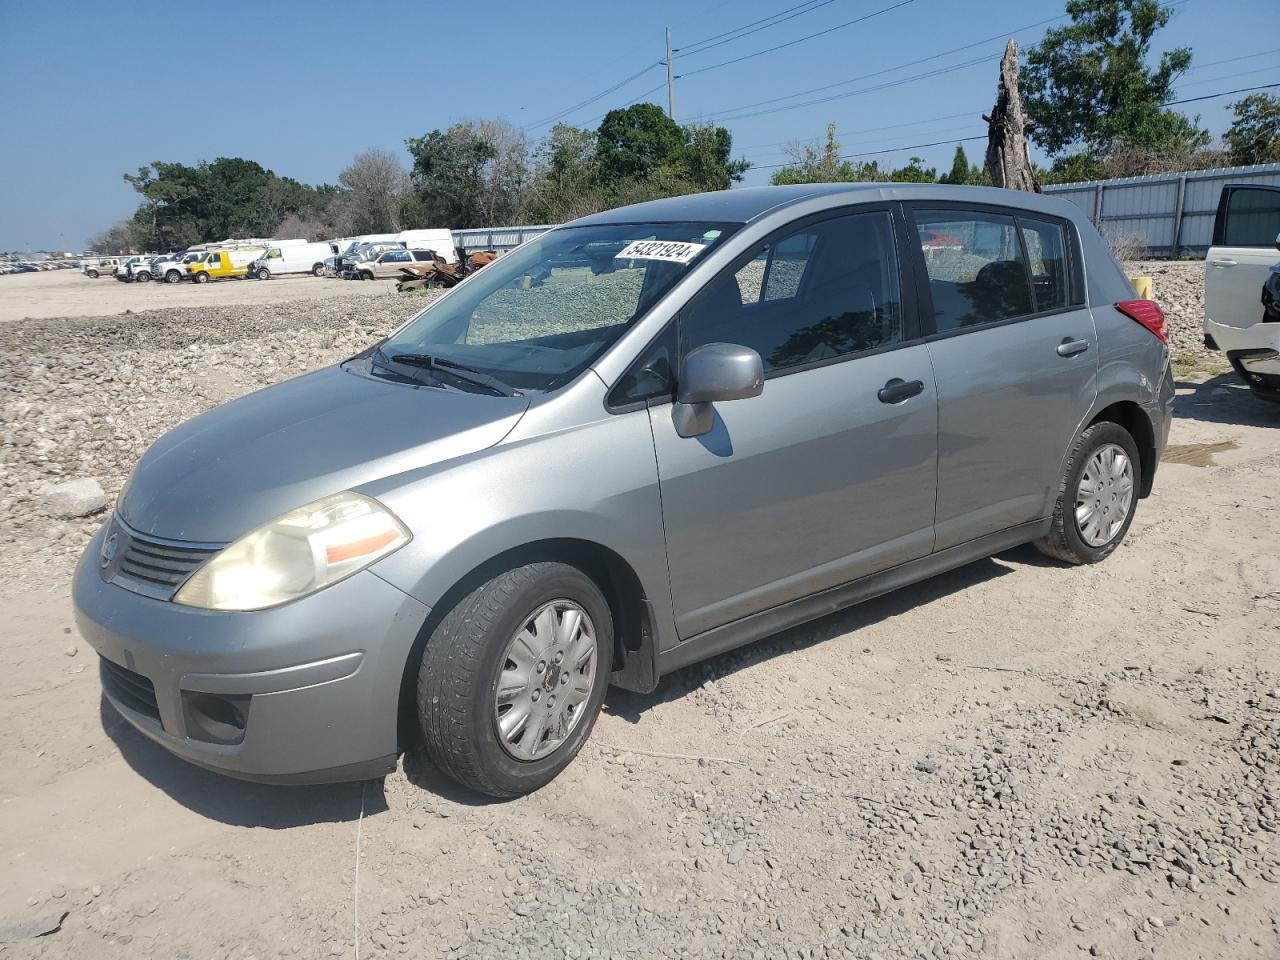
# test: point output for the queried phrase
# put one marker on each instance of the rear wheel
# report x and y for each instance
(513, 677)
(93, 274)
(1097, 496)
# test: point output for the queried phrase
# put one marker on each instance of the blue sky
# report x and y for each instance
(93, 91)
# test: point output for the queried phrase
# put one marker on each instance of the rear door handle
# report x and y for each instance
(1222, 263)
(897, 390)
(1069, 347)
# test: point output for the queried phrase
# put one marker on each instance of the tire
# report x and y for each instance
(318, 270)
(264, 273)
(201, 277)
(143, 277)
(366, 275)
(1068, 540)
(173, 276)
(92, 274)
(466, 656)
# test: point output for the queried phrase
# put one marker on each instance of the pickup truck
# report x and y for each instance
(1242, 285)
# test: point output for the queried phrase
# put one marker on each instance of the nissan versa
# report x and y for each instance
(640, 440)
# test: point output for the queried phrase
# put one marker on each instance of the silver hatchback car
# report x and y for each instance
(640, 440)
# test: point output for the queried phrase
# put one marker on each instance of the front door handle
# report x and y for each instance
(897, 390)
(1222, 263)
(1069, 347)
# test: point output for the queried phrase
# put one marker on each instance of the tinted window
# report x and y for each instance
(1046, 256)
(822, 292)
(1253, 218)
(977, 273)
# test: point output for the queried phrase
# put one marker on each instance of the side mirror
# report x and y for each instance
(711, 373)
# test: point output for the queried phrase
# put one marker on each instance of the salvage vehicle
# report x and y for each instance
(763, 406)
(290, 258)
(1242, 285)
(102, 267)
(386, 264)
(223, 264)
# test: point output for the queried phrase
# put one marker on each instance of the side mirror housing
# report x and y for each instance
(710, 373)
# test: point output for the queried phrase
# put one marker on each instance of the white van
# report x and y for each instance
(291, 258)
(439, 240)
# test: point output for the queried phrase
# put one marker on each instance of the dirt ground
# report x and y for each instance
(68, 293)
(1015, 760)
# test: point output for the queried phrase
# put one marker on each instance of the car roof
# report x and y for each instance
(745, 204)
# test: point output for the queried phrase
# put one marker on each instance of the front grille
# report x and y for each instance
(132, 689)
(154, 568)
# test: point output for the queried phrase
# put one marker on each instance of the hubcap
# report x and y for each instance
(1105, 495)
(548, 671)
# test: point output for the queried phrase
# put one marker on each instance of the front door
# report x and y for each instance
(826, 476)
(1015, 355)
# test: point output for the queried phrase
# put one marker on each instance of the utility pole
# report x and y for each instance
(671, 81)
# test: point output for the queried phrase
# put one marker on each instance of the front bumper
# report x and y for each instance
(312, 685)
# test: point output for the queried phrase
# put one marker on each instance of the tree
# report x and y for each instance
(375, 189)
(914, 172)
(963, 172)
(471, 175)
(1254, 136)
(114, 240)
(1088, 83)
(1008, 160)
(565, 183)
(810, 164)
(633, 143)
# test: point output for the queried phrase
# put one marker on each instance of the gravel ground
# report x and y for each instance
(1016, 759)
(1178, 286)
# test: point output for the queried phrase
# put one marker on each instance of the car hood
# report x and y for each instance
(227, 471)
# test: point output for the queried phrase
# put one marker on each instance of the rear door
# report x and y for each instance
(826, 476)
(1015, 355)
(1240, 260)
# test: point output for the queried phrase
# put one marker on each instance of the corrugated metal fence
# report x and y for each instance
(497, 238)
(1171, 213)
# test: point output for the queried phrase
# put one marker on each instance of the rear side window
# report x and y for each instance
(1046, 244)
(1252, 218)
(977, 271)
(819, 293)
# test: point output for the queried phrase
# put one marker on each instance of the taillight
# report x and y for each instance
(1147, 313)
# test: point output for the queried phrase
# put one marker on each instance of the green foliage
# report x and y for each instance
(914, 172)
(1254, 136)
(962, 172)
(810, 164)
(634, 143)
(184, 205)
(1089, 84)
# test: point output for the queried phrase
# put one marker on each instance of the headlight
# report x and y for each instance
(297, 554)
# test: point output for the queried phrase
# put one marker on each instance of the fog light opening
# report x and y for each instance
(214, 718)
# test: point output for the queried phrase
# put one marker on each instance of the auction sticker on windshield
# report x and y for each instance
(668, 250)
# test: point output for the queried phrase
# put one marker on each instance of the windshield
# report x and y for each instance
(539, 315)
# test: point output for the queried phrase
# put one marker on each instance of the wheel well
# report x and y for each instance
(1135, 420)
(633, 627)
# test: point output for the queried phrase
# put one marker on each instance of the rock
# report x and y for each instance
(75, 498)
(927, 766)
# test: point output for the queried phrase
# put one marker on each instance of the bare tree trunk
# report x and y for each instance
(1008, 162)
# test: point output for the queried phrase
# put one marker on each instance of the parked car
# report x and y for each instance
(438, 240)
(129, 268)
(291, 258)
(223, 264)
(386, 264)
(360, 252)
(1241, 285)
(767, 404)
(102, 267)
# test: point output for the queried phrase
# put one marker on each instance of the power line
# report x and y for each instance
(1225, 93)
(773, 20)
(854, 133)
(792, 43)
(901, 66)
(590, 100)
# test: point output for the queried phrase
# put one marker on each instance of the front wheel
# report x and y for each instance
(172, 276)
(1096, 497)
(366, 275)
(143, 277)
(318, 270)
(264, 273)
(513, 677)
(201, 277)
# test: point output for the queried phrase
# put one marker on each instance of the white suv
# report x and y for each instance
(1242, 285)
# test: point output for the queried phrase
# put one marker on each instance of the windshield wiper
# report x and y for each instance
(451, 368)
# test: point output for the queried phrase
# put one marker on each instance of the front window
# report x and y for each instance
(536, 317)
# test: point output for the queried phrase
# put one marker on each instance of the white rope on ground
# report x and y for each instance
(356, 898)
